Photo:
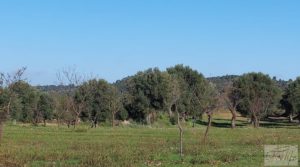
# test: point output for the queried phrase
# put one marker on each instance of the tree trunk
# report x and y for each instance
(194, 120)
(148, 119)
(252, 120)
(8, 106)
(207, 128)
(1, 131)
(180, 135)
(77, 119)
(94, 123)
(170, 112)
(45, 122)
(255, 121)
(113, 119)
(233, 119)
(291, 118)
(57, 121)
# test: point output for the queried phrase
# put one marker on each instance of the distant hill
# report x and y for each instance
(56, 88)
(222, 81)
(282, 83)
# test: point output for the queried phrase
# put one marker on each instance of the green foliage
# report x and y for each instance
(196, 93)
(93, 94)
(16, 109)
(4, 97)
(24, 100)
(45, 106)
(143, 96)
(26, 104)
(99, 100)
(291, 98)
(222, 81)
(258, 93)
(173, 120)
(122, 114)
(147, 93)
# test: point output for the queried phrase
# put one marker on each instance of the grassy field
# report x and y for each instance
(25, 145)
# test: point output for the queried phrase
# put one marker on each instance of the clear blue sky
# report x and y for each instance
(114, 39)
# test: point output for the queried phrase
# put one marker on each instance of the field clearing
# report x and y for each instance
(142, 145)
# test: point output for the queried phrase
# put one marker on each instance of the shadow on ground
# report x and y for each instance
(279, 123)
(267, 123)
(223, 123)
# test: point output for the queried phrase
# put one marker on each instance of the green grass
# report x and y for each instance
(140, 145)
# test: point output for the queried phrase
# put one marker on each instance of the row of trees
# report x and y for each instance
(143, 96)
(22, 102)
(180, 92)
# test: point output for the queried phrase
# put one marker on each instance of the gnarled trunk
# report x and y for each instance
(208, 127)
(148, 119)
(180, 135)
(1, 131)
(8, 106)
(255, 121)
(233, 119)
(94, 123)
(58, 122)
(170, 112)
(194, 121)
(291, 118)
(113, 119)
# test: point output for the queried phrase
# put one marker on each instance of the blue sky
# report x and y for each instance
(113, 39)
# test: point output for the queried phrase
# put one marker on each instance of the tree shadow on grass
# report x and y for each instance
(223, 123)
(279, 123)
(267, 123)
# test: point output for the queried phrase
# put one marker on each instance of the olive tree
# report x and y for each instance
(26, 98)
(7, 96)
(194, 94)
(174, 97)
(208, 101)
(71, 79)
(102, 100)
(45, 107)
(292, 98)
(258, 94)
(147, 95)
(114, 102)
(195, 90)
(232, 99)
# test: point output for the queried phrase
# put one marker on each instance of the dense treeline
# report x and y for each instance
(179, 92)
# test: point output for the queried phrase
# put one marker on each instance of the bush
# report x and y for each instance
(173, 120)
(123, 115)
